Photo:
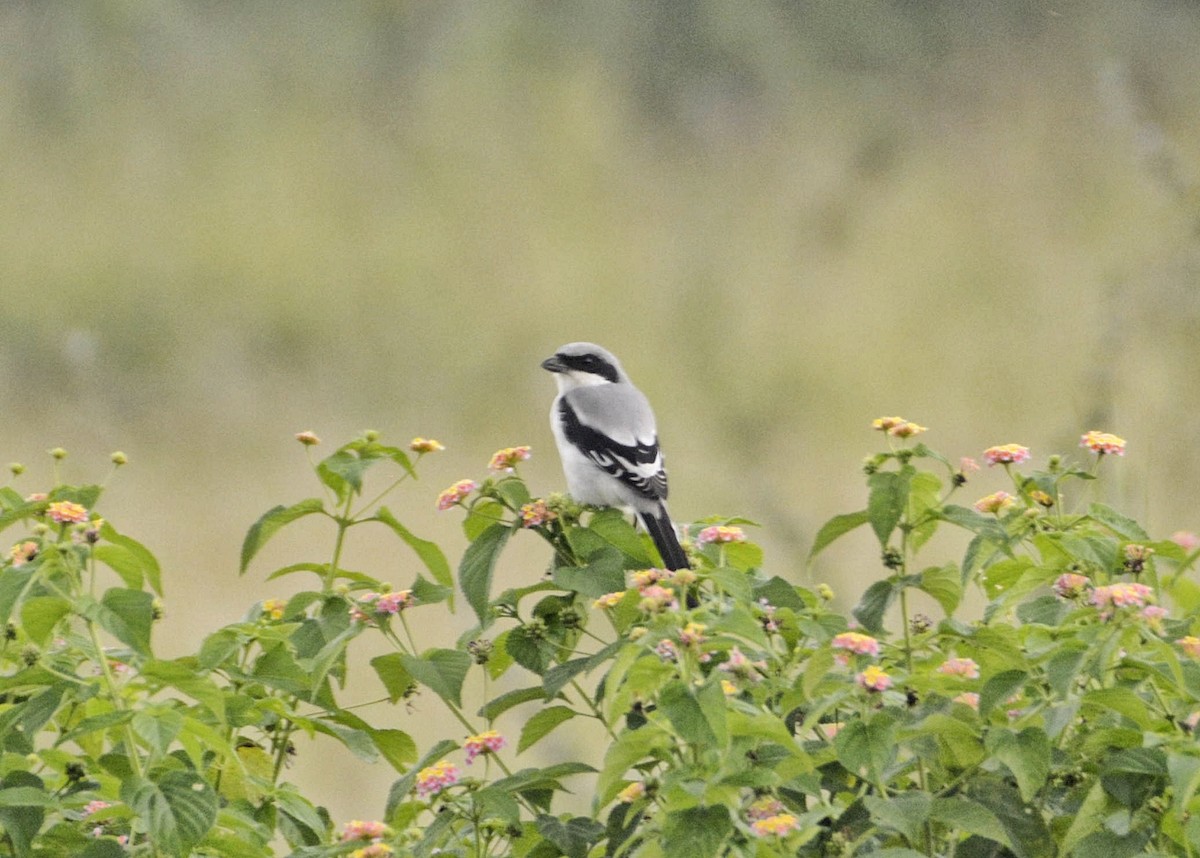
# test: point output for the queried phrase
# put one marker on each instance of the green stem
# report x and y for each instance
(110, 683)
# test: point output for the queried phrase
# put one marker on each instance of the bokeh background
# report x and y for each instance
(224, 223)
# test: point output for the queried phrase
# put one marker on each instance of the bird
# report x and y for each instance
(608, 442)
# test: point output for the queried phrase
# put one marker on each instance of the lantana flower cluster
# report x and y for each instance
(370, 606)
(489, 741)
(435, 778)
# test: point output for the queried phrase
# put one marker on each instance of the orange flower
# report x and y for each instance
(66, 511)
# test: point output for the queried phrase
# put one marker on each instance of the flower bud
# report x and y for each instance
(17, 468)
(58, 453)
(118, 458)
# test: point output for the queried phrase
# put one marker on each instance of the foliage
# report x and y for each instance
(738, 713)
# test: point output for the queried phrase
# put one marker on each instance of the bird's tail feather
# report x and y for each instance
(662, 532)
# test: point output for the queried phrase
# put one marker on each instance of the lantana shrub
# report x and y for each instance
(1047, 708)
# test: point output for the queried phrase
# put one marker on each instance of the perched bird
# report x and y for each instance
(608, 442)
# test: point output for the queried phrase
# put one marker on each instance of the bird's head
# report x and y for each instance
(582, 365)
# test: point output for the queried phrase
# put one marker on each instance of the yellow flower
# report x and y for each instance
(273, 608)
(425, 445)
(632, 793)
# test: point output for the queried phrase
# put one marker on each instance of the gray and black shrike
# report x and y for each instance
(608, 442)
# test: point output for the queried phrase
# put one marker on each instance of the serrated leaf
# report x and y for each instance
(13, 584)
(943, 583)
(873, 604)
(440, 670)
(573, 837)
(127, 615)
(177, 809)
(1119, 524)
(905, 812)
(269, 524)
(866, 748)
(611, 526)
(128, 558)
(1000, 688)
(157, 726)
(40, 616)
(391, 672)
(21, 823)
(969, 816)
(395, 746)
(497, 706)
(541, 723)
(1026, 754)
(697, 832)
(696, 724)
(428, 552)
(477, 567)
(887, 501)
(835, 528)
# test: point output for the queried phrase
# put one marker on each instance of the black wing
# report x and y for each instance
(638, 466)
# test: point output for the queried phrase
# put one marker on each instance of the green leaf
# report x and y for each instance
(694, 723)
(157, 726)
(343, 472)
(1124, 527)
(963, 814)
(604, 574)
(866, 748)
(957, 740)
(129, 559)
(835, 528)
(497, 706)
(697, 832)
(127, 615)
(944, 583)
(616, 530)
(392, 673)
(874, 604)
(441, 670)
(905, 812)
(428, 552)
(13, 583)
(477, 567)
(183, 676)
(1000, 688)
(1026, 754)
(887, 501)
(396, 746)
(20, 823)
(573, 837)
(1123, 701)
(40, 616)
(177, 809)
(1088, 819)
(541, 723)
(269, 524)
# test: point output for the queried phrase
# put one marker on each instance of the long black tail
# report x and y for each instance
(658, 525)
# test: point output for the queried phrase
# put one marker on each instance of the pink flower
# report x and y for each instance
(1154, 616)
(609, 600)
(886, 424)
(374, 850)
(95, 807)
(308, 439)
(720, 535)
(856, 643)
(996, 502)
(968, 465)
(764, 807)
(66, 511)
(874, 679)
(456, 494)
(1070, 585)
(1006, 454)
(666, 650)
(968, 698)
(486, 742)
(775, 826)
(962, 667)
(741, 667)
(1103, 443)
(23, 552)
(436, 778)
(536, 513)
(506, 460)
(693, 634)
(656, 599)
(356, 829)
(394, 603)
(643, 578)
(1186, 540)
(1122, 596)
(1190, 645)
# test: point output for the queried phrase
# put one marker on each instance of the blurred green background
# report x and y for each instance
(228, 222)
